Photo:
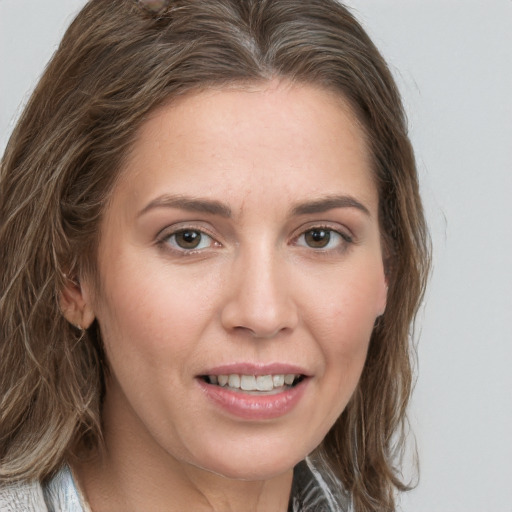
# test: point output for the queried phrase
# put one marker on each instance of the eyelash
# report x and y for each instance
(164, 240)
(343, 239)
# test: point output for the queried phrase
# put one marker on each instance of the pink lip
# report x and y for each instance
(256, 369)
(254, 407)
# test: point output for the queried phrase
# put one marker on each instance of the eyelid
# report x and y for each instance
(166, 233)
(345, 234)
(328, 226)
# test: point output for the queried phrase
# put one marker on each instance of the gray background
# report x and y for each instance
(452, 60)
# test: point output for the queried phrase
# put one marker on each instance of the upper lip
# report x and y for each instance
(256, 369)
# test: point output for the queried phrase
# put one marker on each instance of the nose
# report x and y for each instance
(259, 301)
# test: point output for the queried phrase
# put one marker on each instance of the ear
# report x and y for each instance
(75, 304)
(387, 263)
(382, 297)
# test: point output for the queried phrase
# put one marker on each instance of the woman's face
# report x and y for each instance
(242, 244)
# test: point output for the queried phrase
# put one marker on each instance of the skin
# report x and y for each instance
(254, 291)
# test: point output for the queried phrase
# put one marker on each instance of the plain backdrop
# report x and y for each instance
(453, 62)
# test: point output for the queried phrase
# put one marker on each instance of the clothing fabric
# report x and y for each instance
(310, 493)
(60, 494)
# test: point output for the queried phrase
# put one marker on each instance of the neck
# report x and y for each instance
(109, 486)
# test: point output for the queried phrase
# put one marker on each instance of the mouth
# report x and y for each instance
(255, 384)
(255, 394)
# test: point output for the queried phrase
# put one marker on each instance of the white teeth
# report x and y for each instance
(264, 383)
(248, 382)
(252, 382)
(278, 381)
(288, 379)
(234, 381)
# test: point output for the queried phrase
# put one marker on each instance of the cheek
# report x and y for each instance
(341, 318)
(155, 314)
(342, 328)
(347, 306)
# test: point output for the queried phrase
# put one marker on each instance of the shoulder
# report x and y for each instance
(59, 493)
(316, 489)
(22, 497)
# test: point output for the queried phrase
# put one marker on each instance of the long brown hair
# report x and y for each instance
(116, 63)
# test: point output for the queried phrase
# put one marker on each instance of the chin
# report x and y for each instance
(263, 473)
(249, 467)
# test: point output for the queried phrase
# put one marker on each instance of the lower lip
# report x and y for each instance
(254, 407)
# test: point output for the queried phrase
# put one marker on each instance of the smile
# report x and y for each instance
(255, 383)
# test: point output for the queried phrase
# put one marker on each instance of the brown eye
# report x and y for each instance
(189, 239)
(317, 238)
(323, 239)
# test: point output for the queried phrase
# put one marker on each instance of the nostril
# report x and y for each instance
(259, 301)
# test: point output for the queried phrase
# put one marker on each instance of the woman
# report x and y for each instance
(213, 247)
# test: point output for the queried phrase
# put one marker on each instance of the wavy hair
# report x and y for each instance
(115, 64)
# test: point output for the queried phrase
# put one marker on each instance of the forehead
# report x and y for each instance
(235, 141)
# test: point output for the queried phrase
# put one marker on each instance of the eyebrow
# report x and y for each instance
(191, 204)
(214, 207)
(328, 203)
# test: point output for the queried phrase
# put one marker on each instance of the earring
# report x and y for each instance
(79, 327)
(81, 333)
